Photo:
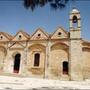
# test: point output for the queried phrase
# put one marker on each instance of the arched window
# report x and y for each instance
(65, 67)
(36, 59)
(17, 63)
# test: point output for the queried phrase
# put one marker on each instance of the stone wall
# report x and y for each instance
(86, 63)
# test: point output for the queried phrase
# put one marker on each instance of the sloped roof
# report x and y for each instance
(7, 35)
(24, 33)
(45, 33)
(16, 43)
(66, 32)
(85, 42)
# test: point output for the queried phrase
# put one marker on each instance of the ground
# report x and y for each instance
(26, 83)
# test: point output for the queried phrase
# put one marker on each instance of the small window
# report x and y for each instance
(39, 35)
(20, 36)
(36, 59)
(65, 67)
(59, 33)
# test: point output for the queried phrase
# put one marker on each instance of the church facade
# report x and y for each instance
(61, 55)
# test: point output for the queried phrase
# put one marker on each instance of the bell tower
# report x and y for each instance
(75, 24)
(75, 46)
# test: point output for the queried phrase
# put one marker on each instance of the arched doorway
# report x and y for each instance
(17, 59)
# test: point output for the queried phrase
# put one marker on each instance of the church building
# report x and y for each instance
(62, 55)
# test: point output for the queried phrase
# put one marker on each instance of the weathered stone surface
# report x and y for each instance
(61, 55)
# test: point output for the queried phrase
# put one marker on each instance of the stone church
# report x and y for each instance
(61, 55)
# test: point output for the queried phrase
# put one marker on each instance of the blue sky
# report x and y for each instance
(14, 17)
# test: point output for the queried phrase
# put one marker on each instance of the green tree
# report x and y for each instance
(55, 4)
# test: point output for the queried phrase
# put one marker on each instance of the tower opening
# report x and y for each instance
(75, 21)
